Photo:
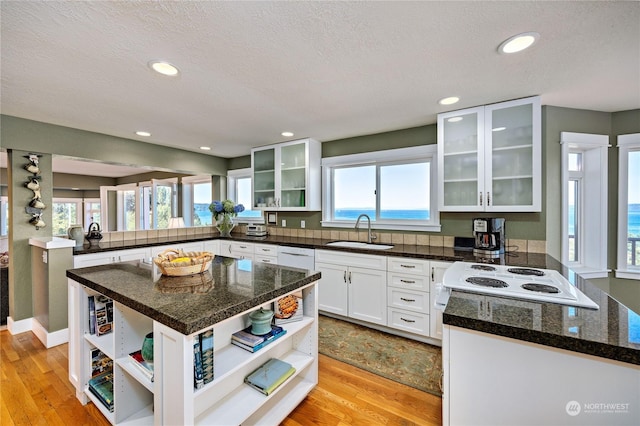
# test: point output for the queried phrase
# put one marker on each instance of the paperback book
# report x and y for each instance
(251, 342)
(104, 315)
(143, 366)
(100, 363)
(198, 373)
(102, 387)
(270, 375)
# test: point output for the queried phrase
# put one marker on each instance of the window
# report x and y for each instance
(65, 212)
(4, 216)
(395, 188)
(239, 190)
(196, 197)
(629, 207)
(91, 211)
(584, 203)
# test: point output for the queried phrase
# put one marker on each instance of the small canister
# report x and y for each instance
(261, 321)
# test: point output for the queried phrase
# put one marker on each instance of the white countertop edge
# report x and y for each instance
(51, 242)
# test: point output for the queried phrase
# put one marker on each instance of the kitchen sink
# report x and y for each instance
(358, 244)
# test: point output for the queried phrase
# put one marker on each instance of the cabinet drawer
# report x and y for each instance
(266, 259)
(244, 248)
(409, 266)
(407, 281)
(408, 321)
(405, 299)
(265, 250)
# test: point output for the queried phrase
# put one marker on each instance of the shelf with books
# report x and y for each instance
(128, 365)
(242, 402)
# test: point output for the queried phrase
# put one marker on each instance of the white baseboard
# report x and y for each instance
(48, 339)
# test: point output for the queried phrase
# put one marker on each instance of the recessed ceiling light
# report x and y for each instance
(205, 148)
(287, 134)
(454, 119)
(449, 101)
(164, 68)
(498, 129)
(143, 133)
(75, 189)
(518, 42)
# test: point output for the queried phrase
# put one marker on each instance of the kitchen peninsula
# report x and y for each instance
(178, 310)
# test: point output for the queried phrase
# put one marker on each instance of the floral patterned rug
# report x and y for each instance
(406, 361)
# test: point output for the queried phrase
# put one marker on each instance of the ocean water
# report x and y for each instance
(352, 214)
(634, 220)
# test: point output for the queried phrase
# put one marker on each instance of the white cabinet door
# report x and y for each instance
(212, 246)
(367, 295)
(186, 247)
(225, 249)
(94, 259)
(332, 288)
(132, 254)
(287, 176)
(489, 158)
(435, 278)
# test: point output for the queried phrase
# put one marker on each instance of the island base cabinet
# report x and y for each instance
(494, 380)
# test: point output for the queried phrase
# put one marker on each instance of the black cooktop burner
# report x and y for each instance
(526, 271)
(487, 282)
(483, 267)
(540, 288)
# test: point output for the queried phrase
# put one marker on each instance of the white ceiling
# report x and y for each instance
(328, 70)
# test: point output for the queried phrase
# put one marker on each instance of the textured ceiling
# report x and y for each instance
(328, 70)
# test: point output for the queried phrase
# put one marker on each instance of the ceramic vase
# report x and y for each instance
(147, 347)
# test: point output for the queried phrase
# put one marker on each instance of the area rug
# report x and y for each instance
(406, 361)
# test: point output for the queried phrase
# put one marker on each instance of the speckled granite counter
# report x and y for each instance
(612, 332)
(188, 304)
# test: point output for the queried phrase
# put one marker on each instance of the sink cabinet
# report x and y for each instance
(489, 158)
(353, 285)
(286, 176)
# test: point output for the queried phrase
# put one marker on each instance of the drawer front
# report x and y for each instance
(411, 300)
(408, 266)
(408, 321)
(266, 250)
(266, 259)
(406, 281)
(246, 248)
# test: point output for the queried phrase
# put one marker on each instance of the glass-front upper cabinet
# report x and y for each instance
(490, 157)
(286, 176)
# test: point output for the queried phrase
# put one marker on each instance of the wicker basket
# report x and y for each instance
(176, 263)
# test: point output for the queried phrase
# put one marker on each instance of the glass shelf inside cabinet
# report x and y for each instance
(461, 193)
(293, 156)
(461, 134)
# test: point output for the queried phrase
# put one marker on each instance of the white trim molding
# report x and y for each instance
(592, 242)
(626, 144)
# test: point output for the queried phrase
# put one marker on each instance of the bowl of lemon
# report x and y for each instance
(177, 263)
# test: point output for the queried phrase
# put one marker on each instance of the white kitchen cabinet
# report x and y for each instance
(489, 158)
(212, 246)
(437, 270)
(107, 257)
(185, 247)
(408, 298)
(236, 249)
(353, 285)
(265, 253)
(286, 176)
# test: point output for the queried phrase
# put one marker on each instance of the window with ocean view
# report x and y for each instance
(629, 206)
(395, 188)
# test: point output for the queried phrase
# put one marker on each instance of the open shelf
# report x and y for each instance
(243, 401)
(126, 364)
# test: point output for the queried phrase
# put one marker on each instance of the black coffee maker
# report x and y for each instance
(489, 237)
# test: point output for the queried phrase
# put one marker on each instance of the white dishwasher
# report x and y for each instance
(297, 257)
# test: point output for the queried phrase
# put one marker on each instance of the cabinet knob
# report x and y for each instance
(480, 198)
(488, 198)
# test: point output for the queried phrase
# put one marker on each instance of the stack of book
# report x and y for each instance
(203, 372)
(143, 366)
(270, 375)
(102, 387)
(252, 342)
(100, 315)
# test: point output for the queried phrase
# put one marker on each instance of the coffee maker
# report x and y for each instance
(489, 237)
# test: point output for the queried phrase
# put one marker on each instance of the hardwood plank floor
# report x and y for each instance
(35, 390)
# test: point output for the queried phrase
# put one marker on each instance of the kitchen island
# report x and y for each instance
(516, 362)
(178, 310)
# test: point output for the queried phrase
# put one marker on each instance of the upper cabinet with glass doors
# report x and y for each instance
(286, 176)
(489, 158)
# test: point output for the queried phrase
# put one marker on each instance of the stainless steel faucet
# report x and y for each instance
(370, 236)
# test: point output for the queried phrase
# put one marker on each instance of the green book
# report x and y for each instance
(270, 375)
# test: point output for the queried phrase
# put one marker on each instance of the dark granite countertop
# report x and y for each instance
(191, 303)
(612, 332)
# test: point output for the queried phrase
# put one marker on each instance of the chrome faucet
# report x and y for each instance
(370, 236)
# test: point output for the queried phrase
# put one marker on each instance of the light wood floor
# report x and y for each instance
(35, 390)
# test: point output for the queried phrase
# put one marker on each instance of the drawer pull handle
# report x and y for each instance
(406, 320)
(266, 261)
(407, 300)
(408, 266)
(407, 281)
